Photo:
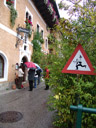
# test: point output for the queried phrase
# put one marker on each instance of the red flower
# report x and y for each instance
(12, 2)
(28, 21)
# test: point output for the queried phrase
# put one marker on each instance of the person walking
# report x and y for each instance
(35, 79)
(20, 77)
(47, 78)
(31, 74)
(39, 75)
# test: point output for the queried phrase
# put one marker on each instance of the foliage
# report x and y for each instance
(13, 15)
(9, 2)
(41, 59)
(50, 8)
(37, 41)
(36, 46)
(37, 56)
(29, 26)
(37, 36)
(72, 89)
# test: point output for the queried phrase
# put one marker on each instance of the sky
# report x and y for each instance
(62, 12)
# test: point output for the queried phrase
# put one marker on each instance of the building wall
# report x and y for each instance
(8, 50)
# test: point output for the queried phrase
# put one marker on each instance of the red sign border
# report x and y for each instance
(79, 47)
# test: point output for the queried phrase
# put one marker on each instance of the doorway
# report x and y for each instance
(24, 59)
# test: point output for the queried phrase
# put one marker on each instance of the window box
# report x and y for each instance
(50, 8)
(29, 26)
(45, 1)
(10, 2)
(27, 21)
(54, 18)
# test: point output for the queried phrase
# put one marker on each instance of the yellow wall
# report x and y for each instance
(8, 40)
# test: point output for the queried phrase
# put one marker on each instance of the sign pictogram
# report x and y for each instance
(79, 63)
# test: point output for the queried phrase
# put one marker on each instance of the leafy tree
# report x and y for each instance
(72, 89)
(38, 57)
(37, 41)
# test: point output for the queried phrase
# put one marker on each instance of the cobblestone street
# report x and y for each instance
(32, 105)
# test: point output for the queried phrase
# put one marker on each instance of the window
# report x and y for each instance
(28, 21)
(29, 17)
(10, 2)
(46, 44)
(42, 33)
(25, 48)
(1, 67)
(38, 28)
(25, 38)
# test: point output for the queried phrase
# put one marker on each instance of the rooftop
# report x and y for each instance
(48, 10)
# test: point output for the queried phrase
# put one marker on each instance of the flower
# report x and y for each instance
(27, 21)
(45, 1)
(57, 22)
(54, 18)
(10, 2)
(56, 97)
(50, 8)
(52, 11)
(30, 22)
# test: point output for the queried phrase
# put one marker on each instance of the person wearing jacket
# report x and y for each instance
(20, 77)
(46, 78)
(31, 74)
(39, 74)
(35, 79)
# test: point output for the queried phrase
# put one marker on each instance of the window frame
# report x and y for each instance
(46, 43)
(6, 65)
(7, 5)
(37, 28)
(42, 34)
(30, 14)
(2, 67)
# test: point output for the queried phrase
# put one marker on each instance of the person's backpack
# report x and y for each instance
(39, 71)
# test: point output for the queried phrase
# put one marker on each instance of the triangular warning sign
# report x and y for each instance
(79, 63)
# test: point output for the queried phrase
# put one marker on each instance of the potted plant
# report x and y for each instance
(13, 15)
(50, 8)
(54, 18)
(13, 86)
(29, 26)
(45, 1)
(10, 2)
(28, 22)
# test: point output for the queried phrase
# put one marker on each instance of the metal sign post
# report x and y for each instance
(79, 110)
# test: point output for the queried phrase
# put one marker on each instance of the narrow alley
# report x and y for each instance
(31, 105)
